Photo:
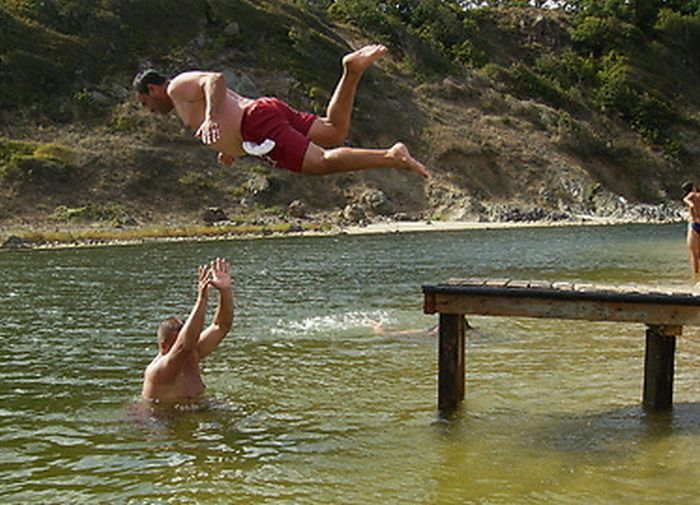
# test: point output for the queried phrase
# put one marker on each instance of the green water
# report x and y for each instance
(307, 405)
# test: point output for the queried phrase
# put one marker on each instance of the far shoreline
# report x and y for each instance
(120, 236)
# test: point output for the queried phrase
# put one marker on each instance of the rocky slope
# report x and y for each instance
(497, 150)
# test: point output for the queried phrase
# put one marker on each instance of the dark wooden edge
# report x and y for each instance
(562, 294)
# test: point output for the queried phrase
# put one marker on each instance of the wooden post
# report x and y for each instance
(451, 362)
(658, 366)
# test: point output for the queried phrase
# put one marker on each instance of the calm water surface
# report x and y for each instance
(306, 404)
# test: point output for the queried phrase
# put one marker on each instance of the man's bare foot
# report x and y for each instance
(358, 61)
(399, 152)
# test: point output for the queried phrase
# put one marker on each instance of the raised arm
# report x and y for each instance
(186, 341)
(689, 200)
(223, 318)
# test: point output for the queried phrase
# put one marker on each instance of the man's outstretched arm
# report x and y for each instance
(186, 341)
(223, 318)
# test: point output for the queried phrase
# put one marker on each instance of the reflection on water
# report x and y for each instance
(307, 403)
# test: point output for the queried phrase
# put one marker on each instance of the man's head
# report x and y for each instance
(150, 88)
(687, 187)
(167, 332)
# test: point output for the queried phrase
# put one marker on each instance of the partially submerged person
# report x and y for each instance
(174, 373)
(237, 126)
(692, 201)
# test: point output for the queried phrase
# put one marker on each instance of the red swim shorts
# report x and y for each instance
(270, 118)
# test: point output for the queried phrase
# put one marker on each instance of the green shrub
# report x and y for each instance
(649, 115)
(528, 84)
(89, 212)
(28, 162)
(599, 35)
(615, 92)
(567, 69)
(680, 33)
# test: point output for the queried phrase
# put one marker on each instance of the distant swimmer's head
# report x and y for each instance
(150, 89)
(167, 332)
(687, 187)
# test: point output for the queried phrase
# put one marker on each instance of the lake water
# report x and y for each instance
(306, 404)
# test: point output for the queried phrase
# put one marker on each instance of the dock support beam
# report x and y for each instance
(658, 366)
(451, 362)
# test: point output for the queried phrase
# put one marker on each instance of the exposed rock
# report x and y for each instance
(232, 29)
(297, 209)
(354, 213)
(214, 215)
(377, 201)
(240, 82)
(15, 242)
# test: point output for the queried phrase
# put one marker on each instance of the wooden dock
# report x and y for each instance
(664, 311)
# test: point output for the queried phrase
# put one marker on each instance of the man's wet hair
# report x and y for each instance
(687, 187)
(168, 326)
(146, 77)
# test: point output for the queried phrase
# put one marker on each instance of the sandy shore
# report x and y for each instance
(423, 226)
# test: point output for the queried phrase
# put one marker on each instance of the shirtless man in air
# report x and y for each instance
(300, 142)
(692, 201)
(174, 375)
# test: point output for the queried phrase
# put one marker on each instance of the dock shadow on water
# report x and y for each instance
(614, 432)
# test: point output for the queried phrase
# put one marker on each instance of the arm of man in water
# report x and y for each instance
(223, 319)
(186, 342)
(209, 88)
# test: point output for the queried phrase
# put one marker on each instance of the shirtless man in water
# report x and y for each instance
(174, 374)
(692, 201)
(300, 142)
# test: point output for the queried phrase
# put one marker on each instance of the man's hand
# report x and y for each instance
(203, 280)
(220, 276)
(208, 132)
(226, 159)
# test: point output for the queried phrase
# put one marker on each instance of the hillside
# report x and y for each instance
(519, 112)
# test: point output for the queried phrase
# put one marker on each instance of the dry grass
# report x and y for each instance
(96, 236)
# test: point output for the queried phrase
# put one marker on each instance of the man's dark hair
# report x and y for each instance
(687, 187)
(146, 77)
(167, 327)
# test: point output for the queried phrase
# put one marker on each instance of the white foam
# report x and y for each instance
(342, 323)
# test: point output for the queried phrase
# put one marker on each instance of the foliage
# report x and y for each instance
(567, 70)
(56, 48)
(681, 33)
(529, 84)
(436, 35)
(28, 162)
(597, 36)
(649, 115)
(90, 212)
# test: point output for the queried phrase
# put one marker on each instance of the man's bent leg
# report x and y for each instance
(333, 128)
(319, 161)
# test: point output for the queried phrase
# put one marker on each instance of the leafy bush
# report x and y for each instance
(435, 34)
(615, 92)
(90, 212)
(651, 116)
(567, 70)
(29, 162)
(680, 32)
(597, 36)
(528, 84)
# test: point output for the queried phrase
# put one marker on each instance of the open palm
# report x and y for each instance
(220, 274)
